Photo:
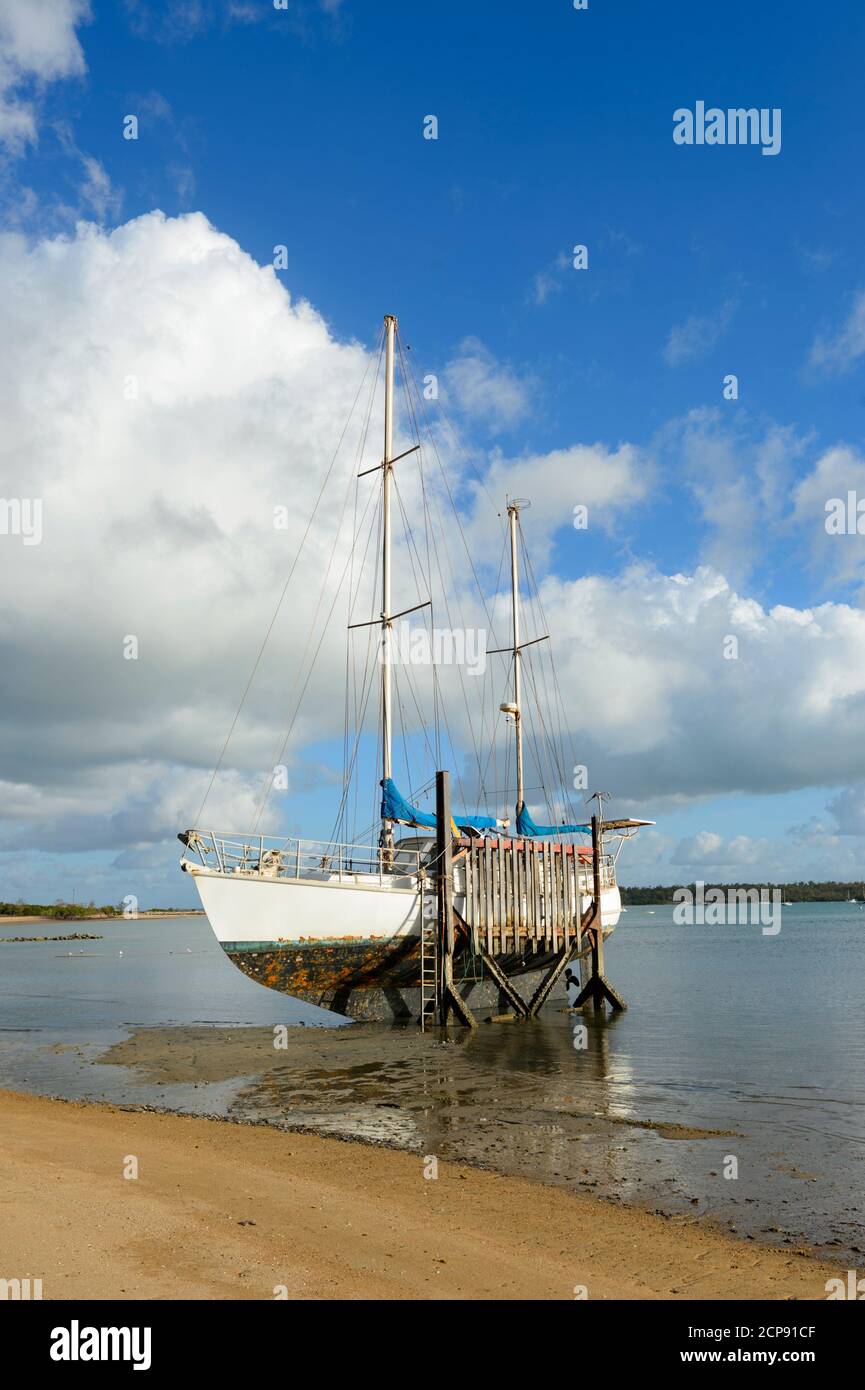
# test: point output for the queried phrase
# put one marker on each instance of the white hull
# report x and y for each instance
(293, 912)
(289, 911)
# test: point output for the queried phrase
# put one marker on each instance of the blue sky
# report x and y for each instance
(554, 129)
(304, 127)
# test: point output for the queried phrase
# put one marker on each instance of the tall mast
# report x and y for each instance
(513, 513)
(386, 621)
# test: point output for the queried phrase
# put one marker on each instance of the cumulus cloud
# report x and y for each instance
(658, 710)
(607, 481)
(161, 395)
(38, 44)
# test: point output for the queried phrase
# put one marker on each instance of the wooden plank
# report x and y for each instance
(554, 911)
(504, 896)
(500, 895)
(503, 890)
(542, 906)
(467, 881)
(519, 883)
(567, 895)
(536, 892)
(534, 860)
(488, 907)
(512, 897)
(548, 893)
(567, 898)
(557, 894)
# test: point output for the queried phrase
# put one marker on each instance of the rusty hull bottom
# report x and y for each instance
(375, 980)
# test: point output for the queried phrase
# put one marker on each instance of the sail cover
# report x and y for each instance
(395, 807)
(526, 826)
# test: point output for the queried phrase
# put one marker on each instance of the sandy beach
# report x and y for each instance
(221, 1210)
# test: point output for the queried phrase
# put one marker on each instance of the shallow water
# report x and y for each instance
(735, 1046)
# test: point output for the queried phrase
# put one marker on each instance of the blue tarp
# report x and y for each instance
(395, 807)
(527, 827)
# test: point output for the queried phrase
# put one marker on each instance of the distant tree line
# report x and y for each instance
(810, 892)
(62, 911)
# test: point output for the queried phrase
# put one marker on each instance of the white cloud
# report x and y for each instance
(96, 193)
(840, 351)
(740, 472)
(158, 511)
(707, 849)
(485, 389)
(174, 23)
(693, 339)
(38, 44)
(836, 472)
(158, 523)
(607, 481)
(659, 711)
(180, 21)
(550, 280)
(848, 810)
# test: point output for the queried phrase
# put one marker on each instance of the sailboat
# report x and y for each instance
(345, 924)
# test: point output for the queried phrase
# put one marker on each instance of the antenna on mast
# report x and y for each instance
(600, 797)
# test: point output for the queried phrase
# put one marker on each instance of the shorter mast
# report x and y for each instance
(513, 513)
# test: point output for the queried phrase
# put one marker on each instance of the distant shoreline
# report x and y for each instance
(824, 892)
(154, 916)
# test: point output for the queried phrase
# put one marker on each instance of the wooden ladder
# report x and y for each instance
(429, 965)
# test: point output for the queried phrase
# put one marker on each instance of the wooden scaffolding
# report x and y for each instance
(521, 897)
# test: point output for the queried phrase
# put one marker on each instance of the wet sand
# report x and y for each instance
(500, 1099)
(224, 1210)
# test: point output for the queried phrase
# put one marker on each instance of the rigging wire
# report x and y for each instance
(270, 626)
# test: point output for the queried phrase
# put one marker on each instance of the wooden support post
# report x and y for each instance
(449, 997)
(597, 988)
(516, 1000)
(541, 994)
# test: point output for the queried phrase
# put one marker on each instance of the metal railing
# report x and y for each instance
(265, 856)
(608, 874)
